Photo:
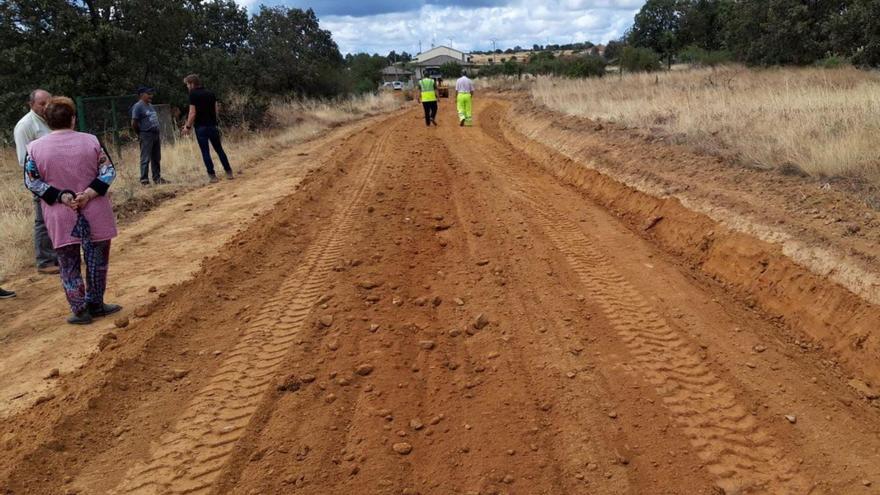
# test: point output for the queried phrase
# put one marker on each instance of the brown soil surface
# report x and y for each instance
(433, 311)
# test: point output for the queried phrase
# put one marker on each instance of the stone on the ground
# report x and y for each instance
(402, 448)
(481, 321)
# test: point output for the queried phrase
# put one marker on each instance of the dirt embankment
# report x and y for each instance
(800, 250)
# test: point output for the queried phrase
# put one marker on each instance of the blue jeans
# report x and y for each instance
(210, 134)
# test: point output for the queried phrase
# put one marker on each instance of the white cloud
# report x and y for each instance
(521, 22)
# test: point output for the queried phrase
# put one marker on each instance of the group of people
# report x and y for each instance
(69, 174)
(202, 118)
(464, 91)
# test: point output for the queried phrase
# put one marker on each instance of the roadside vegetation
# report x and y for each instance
(294, 121)
(97, 49)
(823, 122)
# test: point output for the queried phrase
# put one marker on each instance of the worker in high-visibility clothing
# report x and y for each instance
(464, 89)
(428, 97)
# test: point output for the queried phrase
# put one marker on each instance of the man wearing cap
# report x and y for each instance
(145, 122)
(31, 127)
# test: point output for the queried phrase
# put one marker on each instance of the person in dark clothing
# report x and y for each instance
(428, 97)
(203, 116)
(145, 122)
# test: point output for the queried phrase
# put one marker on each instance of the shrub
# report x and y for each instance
(247, 110)
(832, 62)
(706, 58)
(635, 59)
(582, 66)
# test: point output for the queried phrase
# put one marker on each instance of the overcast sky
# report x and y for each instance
(383, 25)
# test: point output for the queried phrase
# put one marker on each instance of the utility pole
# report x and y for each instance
(494, 47)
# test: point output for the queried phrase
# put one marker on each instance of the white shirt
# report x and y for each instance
(464, 85)
(28, 129)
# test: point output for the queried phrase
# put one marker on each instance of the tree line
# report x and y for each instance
(109, 47)
(711, 32)
(760, 32)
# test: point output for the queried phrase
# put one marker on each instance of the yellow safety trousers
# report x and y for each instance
(464, 104)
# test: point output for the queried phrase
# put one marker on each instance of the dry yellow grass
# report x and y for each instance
(826, 121)
(181, 164)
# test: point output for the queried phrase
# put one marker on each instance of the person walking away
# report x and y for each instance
(145, 122)
(203, 110)
(464, 89)
(71, 174)
(31, 127)
(428, 97)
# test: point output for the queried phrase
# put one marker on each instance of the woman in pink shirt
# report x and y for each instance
(70, 172)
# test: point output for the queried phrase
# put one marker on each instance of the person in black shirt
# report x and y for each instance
(203, 116)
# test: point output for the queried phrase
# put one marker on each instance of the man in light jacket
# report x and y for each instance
(31, 127)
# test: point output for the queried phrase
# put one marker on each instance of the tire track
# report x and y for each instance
(192, 455)
(737, 451)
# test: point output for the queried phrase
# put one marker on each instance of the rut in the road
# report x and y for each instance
(738, 452)
(191, 457)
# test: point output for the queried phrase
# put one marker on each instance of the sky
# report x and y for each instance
(379, 26)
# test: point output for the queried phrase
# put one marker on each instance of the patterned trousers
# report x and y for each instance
(81, 293)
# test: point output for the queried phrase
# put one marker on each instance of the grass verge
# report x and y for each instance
(823, 122)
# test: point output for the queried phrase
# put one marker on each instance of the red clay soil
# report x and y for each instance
(434, 312)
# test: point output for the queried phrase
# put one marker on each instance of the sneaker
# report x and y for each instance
(81, 318)
(230, 175)
(48, 269)
(160, 181)
(6, 294)
(145, 183)
(99, 310)
(213, 178)
(461, 123)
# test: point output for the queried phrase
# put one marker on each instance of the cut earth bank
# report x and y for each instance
(800, 250)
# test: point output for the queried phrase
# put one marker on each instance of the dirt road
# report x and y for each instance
(430, 312)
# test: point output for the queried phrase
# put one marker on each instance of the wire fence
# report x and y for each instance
(109, 118)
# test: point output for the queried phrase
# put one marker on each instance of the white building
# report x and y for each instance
(437, 56)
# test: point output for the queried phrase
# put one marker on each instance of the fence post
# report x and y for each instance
(116, 139)
(80, 114)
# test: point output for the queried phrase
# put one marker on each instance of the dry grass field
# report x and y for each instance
(824, 121)
(181, 164)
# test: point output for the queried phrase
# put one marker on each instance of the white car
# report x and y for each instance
(397, 85)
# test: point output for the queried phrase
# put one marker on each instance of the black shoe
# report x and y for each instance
(81, 318)
(99, 310)
(461, 123)
(6, 294)
(145, 183)
(229, 175)
(213, 178)
(160, 181)
(434, 122)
